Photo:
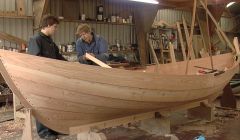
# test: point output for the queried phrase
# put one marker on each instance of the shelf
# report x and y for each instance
(68, 53)
(97, 22)
(17, 17)
(125, 51)
(75, 53)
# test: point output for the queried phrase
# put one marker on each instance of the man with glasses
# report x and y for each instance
(89, 42)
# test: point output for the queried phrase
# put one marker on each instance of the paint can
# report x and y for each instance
(83, 17)
(113, 19)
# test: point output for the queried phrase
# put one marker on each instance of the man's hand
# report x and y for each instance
(92, 54)
(85, 58)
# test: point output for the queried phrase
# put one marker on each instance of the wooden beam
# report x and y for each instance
(202, 112)
(208, 34)
(217, 26)
(27, 132)
(190, 50)
(130, 119)
(39, 9)
(172, 53)
(187, 38)
(21, 7)
(95, 60)
(181, 41)
(202, 22)
(154, 55)
(153, 52)
(144, 17)
(11, 38)
(111, 123)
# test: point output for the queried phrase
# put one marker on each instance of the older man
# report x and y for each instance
(89, 42)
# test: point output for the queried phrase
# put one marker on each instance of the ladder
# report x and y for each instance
(163, 48)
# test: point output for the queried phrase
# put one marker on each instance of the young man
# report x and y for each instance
(43, 45)
(91, 43)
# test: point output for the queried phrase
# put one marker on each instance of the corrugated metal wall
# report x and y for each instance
(20, 27)
(23, 28)
(111, 32)
(172, 16)
(125, 33)
(10, 5)
(227, 24)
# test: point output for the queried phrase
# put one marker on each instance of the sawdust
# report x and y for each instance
(10, 129)
(215, 130)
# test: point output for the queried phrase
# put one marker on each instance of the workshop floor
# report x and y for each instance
(225, 127)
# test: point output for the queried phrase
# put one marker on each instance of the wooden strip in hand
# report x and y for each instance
(95, 60)
(236, 45)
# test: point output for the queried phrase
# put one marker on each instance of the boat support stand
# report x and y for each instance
(27, 131)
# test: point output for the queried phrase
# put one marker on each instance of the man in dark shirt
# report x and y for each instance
(43, 45)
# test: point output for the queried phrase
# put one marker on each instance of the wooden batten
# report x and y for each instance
(181, 41)
(95, 60)
(191, 53)
(172, 53)
(13, 39)
(202, 22)
(131, 119)
(236, 45)
(153, 52)
(190, 47)
(154, 55)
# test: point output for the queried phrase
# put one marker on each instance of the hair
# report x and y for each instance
(83, 28)
(49, 20)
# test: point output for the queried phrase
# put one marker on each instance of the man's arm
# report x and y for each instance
(103, 48)
(59, 56)
(80, 52)
(34, 47)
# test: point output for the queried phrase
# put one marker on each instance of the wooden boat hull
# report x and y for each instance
(64, 95)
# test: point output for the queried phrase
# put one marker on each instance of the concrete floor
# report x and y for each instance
(226, 126)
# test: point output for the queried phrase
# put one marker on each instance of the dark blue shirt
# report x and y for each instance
(98, 47)
(42, 45)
